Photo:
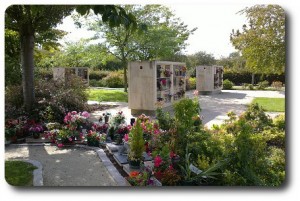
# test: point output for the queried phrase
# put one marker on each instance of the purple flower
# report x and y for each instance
(85, 114)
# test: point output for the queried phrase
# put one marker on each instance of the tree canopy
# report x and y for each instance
(262, 41)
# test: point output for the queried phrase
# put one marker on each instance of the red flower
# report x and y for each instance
(157, 161)
(133, 174)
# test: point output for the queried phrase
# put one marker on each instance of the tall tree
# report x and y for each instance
(199, 58)
(27, 21)
(262, 41)
(30, 20)
(159, 34)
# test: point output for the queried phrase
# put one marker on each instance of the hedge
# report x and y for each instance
(240, 78)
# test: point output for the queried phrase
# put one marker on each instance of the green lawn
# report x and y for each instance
(107, 95)
(271, 104)
(19, 173)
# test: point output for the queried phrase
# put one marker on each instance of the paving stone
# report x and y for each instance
(121, 159)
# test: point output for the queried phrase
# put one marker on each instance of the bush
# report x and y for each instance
(227, 84)
(277, 85)
(98, 75)
(97, 83)
(279, 121)
(262, 85)
(114, 80)
(53, 99)
(191, 83)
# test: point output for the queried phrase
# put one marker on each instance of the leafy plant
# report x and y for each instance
(227, 84)
(136, 142)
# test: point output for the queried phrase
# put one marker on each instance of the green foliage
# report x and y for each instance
(262, 85)
(19, 173)
(98, 74)
(184, 111)
(238, 77)
(279, 122)
(114, 80)
(53, 99)
(191, 83)
(136, 142)
(199, 58)
(265, 54)
(165, 121)
(227, 84)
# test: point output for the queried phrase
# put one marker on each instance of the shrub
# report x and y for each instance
(191, 83)
(114, 80)
(97, 83)
(277, 85)
(279, 121)
(227, 84)
(251, 87)
(262, 85)
(53, 99)
(98, 75)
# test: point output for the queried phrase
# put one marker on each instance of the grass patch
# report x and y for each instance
(107, 95)
(19, 173)
(271, 104)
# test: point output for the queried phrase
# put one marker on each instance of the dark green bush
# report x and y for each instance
(227, 84)
(97, 83)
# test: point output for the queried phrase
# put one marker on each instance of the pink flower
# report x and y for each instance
(60, 145)
(126, 137)
(196, 93)
(157, 161)
(85, 114)
(70, 139)
(73, 112)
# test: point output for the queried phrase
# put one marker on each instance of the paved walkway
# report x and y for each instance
(73, 166)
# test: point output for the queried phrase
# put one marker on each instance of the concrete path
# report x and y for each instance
(214, 107)
(65, 167)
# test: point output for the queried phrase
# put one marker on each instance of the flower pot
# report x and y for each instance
(36, 135)
(134, 164)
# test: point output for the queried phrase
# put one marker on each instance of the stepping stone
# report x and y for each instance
(121, 159)
(147, 157)
(112, 147)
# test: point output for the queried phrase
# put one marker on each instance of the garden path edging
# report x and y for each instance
(37, 173)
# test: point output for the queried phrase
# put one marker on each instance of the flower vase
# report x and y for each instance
(134, 164)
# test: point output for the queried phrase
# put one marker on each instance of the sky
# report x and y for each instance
(214, 22)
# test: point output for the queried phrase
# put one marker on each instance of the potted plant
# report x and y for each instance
(36, 130)
(136, 144)
(93, 139)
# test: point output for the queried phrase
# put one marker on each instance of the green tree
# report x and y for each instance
(262, 41)
(234, 62)
(159, 35)
(199, 58)
(31, 20)
(27, 21)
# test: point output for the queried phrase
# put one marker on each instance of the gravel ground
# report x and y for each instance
(66, 166)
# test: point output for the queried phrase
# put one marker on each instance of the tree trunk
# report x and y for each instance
(125, 75)
(253, 79)
(27, 46)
